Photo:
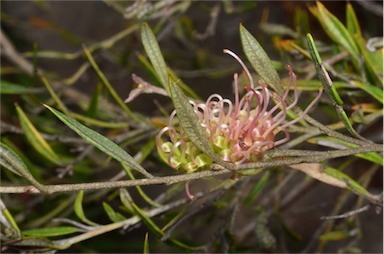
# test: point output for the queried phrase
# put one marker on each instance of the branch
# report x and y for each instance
(306, 157)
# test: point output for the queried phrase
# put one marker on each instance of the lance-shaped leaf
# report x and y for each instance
(352, 21)
(101, 142)
(78, 208)
(191, 125)
(333, 177)
(35, 139)
(373, 59)
(260, 60)
(52, 231)
(154, 53)
(341, 144)
(11, 88)
(336, 30)
(113, 216)
(10, 160)
(322, 72)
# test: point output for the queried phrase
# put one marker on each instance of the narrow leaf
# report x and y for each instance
(337, 31)
(350, 183)
(146, 245)
(93, 104)
(154, 228)
(322, 73)
(190, 123)
(8, 222)
(334, 236)
(260, 60)
(78, 207)
(340, 144)
(352, 21)
(11, 88)
(113, 216)
(259, 186)
(373, 60)
(107, 84)
(101, 142)
(10, 160)
(35, 138)
(154, 53)
(52, 231)
(374, 91)
(126, 199)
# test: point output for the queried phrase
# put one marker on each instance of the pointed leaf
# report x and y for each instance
(340, 144)
(35, 138)
(10, 160)
(78, 207)
(259, 186)
(155, 229)
(374, 91)
(322, 72)
(154, 53)
(334, 236)
(113, 216)
(101, 142)
(260, 60)
(190, 123)
(352, 21)
(373, 60)
(52, 231)
(11, 88)
(350, 183)
(146, 245)
(337, 31)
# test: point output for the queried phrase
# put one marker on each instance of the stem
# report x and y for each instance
(305, 157)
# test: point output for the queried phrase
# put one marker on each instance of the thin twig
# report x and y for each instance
(317, 157)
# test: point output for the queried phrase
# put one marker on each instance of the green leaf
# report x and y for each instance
(260, 60)
(190, 123)
(113, 216)
(351, 184)
(52, 231)
(10, 160)
(101, 142)
(93, 104)
(334, 236)
(8, 223)
(107, 84)
(337, 31)
(35, 138)
(254, 193)
(31, 243)
(146, 245)
(322, 72)
(154, 228)
(340, 144)
(352, 21)
(126, 199)
(374, 91)
(154, 53)
(7, 87)
(78, 207)
(373, 60)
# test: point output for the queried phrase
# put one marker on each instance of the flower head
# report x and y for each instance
(239, 132)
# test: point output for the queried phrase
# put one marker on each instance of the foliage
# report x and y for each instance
(59, 193)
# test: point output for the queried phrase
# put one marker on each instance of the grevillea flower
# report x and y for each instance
(239, 132)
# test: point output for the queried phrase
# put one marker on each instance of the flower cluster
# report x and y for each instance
(239, 132)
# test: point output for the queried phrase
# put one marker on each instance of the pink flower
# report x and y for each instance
(239, 132)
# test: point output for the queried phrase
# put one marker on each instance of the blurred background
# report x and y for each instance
(192, 36)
